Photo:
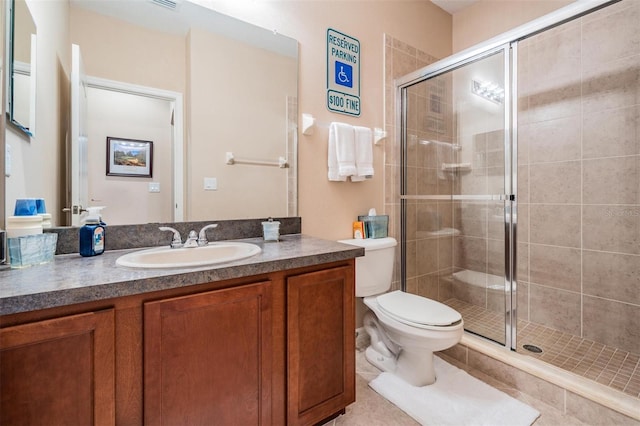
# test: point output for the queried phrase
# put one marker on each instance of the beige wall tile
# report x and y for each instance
(555, 308)
(555, 55)
(427, 181)
(612, 276)
(531, 385)
(602, 44)
(555, 182)
(612, 180)
(458, 352)
(611, 133)
(471, 253)
(445, 253)
(618, 328)
(522, 260)
(554, 103)
(411, 221)
(428, 286)
(611, 228)
(611, 85)
(472, 219)
(427, 256)
(557, 267)
(523, 300)
(523, 223)
(595, 414)
(557, 225)
(552, 140)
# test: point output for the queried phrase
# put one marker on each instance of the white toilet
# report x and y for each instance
(405, 329)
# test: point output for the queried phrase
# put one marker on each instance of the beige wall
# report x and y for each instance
(236, 106)
(116, 50)
(35, 161)
(328, 208)
(487, 18)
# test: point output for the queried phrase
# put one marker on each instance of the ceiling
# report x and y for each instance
(452, 6)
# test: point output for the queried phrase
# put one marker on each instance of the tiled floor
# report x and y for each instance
(370, 409)
(607, 365)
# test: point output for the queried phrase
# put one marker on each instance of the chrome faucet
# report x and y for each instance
(177, 240)
(193, 240)
(202, 235)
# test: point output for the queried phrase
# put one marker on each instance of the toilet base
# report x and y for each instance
(415, 369)
(383, 362)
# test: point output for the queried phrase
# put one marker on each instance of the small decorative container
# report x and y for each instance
(271, 230)
(32, 250)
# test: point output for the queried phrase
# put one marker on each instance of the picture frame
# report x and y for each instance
(129, 157)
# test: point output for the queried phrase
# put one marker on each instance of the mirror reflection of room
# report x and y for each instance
(22, 92)
(156, 75)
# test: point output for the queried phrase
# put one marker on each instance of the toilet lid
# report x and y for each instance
(412, 308)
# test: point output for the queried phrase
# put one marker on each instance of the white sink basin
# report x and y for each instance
(167, 257)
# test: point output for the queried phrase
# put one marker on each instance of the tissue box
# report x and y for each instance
(375, 226)
(31, 250)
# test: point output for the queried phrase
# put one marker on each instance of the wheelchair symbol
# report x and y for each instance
(342, 76)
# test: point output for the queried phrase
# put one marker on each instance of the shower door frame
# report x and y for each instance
(508, 43)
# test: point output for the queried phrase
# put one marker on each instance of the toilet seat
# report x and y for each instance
(416, 310)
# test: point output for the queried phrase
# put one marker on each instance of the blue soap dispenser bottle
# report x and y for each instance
(92, 233)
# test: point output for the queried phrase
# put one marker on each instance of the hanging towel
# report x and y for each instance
(364, 154)
(341, 151)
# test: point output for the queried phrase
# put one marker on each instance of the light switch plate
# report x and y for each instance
(154, 186)
(210, 184)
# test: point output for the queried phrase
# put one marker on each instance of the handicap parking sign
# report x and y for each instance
(343, 74)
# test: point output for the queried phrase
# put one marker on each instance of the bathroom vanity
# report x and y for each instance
(263, 340)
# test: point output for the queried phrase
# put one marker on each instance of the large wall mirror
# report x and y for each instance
(189, 82)
(21, 77)
(239, 87)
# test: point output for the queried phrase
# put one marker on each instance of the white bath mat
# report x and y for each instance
(456, 399)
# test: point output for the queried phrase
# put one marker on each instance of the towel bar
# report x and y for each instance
(231, 160)
(309, 123)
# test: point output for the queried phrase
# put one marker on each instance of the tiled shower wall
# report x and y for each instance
(578, 182)
(579, 177)
(402, 59)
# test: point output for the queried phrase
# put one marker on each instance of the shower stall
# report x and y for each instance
(520, 189)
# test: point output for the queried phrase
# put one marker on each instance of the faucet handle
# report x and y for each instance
(177, 240)
(202, 235)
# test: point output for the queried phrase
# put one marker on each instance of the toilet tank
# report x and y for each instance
(374, 271)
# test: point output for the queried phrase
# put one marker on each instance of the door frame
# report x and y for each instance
(177, 102)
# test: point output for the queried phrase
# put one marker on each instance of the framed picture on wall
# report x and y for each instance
(129, 157)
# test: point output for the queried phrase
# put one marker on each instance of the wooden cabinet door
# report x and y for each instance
(58, 371)
(321, 344)
(207, 358)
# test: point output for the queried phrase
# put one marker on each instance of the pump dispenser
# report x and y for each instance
(92, 233)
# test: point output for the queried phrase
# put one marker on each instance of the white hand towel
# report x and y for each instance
(341, 151)
(364, 154)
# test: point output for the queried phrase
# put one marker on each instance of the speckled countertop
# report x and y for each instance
(71, 278)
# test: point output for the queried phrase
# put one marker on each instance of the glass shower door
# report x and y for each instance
(457, 197)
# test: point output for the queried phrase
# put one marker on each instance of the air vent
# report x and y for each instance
(169, 4)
